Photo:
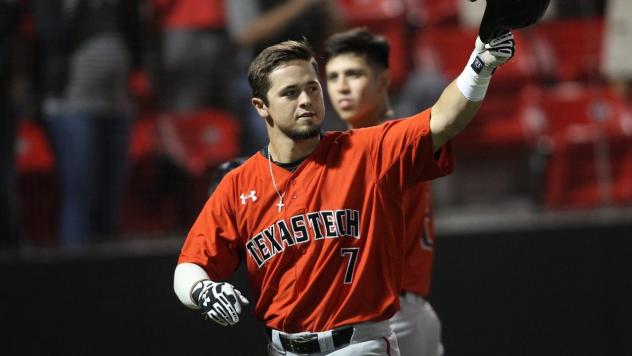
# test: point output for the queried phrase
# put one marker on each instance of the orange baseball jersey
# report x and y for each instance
(419, 252)
(333, 255)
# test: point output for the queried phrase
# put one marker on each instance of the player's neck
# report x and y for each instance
(286, 150)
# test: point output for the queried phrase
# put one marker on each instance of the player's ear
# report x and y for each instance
(385, 78)
(261, 107)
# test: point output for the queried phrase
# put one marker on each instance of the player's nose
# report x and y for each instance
(304, 99)
(343, 86)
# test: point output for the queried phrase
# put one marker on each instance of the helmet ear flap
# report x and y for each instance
(506, 15)
(222, 170)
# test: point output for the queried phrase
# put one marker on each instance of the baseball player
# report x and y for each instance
(357, 82)
(317, 217)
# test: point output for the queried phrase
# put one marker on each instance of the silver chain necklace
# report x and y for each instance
(280, 204)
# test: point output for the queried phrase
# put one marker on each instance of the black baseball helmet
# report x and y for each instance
(222, 170)
(505, 15)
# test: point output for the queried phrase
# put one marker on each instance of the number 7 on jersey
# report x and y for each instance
(353, 259)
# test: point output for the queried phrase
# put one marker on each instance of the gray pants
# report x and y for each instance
(417, 327)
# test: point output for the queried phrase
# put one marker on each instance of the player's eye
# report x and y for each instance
(289, 93)
(354, 73)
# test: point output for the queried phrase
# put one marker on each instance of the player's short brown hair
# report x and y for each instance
(359, 41)
(273, 57)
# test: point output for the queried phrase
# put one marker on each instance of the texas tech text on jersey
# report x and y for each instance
(301, 229)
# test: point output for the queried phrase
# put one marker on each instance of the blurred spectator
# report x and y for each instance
(471, 13)
(192, 79)
(426, 81)
(87, 49)
(420, 90)
(256, 24)
(616, 63)
(578, 8)
(195, 54)
(423, 85)
(9, 225)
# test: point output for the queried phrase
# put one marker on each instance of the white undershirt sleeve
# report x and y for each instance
(186, 276)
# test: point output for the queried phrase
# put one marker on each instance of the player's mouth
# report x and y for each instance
(307, 115)
(345, 104)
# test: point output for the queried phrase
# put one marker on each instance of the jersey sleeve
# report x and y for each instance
(402, 151)
(213, 241)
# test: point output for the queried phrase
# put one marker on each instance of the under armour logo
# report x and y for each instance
(477, 65)
(251, 196)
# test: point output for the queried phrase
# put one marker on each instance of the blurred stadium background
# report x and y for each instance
(534, 251)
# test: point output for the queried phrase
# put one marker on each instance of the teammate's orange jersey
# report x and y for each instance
(333, 255)
(418, 216)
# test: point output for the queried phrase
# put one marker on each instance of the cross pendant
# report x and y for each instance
(280, 205)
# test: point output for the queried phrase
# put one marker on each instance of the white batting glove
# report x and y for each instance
(487, 56)
(220, 302)
(484, 60)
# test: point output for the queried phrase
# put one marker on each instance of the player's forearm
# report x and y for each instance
(186, 276)
(450, 114)
(460, 101)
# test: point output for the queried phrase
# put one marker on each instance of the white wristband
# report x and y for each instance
(474, 85)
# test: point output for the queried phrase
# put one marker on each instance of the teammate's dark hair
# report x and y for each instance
(359, 41)
(273, 57)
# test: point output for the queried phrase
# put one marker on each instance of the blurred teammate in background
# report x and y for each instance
(358, 77)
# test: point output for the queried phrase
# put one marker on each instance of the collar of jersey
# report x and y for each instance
(291, 166)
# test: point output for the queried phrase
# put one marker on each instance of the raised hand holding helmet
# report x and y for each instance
(484, 60)
(493, 54)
